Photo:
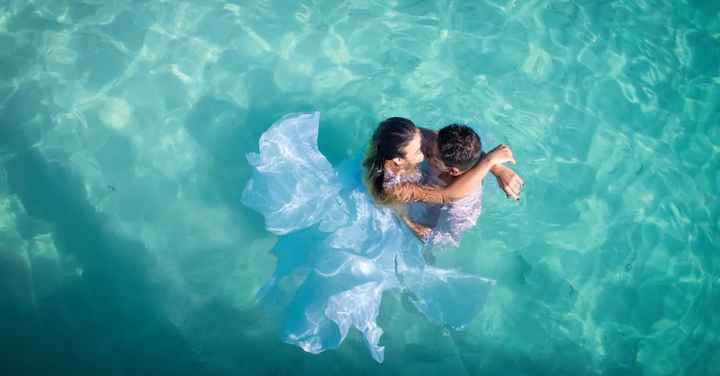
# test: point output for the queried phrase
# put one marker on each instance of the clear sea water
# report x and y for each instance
(125, 250)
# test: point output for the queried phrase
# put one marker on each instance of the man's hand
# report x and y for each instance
(508, 181)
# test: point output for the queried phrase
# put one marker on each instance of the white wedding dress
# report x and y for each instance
(338, 252)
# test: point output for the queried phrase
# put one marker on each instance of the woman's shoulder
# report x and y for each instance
(393, 176)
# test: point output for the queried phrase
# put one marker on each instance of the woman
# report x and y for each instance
(340, 252)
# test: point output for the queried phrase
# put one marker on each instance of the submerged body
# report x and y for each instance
(449, 221)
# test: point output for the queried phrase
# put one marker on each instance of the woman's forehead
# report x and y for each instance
(414, 146)
(417, 139)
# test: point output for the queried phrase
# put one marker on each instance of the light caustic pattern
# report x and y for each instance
(123, 132)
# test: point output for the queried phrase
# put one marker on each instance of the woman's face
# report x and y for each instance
(412, 151)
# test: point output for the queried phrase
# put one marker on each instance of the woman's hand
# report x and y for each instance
(508, 181)
(468, 182)
(501, 154)
(422, 232)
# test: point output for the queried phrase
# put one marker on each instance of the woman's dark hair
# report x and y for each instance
(459, 146)
(390, 138)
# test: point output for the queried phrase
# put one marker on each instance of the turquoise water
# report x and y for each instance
(124, 248)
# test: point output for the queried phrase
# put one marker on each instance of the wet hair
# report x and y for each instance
(388, 141)
(459, 146)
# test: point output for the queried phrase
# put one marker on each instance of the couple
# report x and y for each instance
(451, 178)
(342, 244)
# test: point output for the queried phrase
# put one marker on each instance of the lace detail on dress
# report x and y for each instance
(456, 218)
(451, 220)
(392, 179)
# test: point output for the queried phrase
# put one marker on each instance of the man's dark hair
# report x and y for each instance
(459, 146)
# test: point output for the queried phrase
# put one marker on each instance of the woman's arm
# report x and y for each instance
(508, 180)
(461, 187)
(467, 182)
(422, 232)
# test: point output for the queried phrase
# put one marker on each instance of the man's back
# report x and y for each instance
(454, 218)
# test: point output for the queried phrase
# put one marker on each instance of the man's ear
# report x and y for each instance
(454, 171)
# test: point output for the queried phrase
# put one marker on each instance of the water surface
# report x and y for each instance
(124, 248)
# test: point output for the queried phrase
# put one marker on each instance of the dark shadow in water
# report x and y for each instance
(106, 321)
(228, 133)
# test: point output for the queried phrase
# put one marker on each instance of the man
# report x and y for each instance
(450, 153)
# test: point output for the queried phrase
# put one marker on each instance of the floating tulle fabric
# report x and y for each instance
(294, 186)
(339, 251)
